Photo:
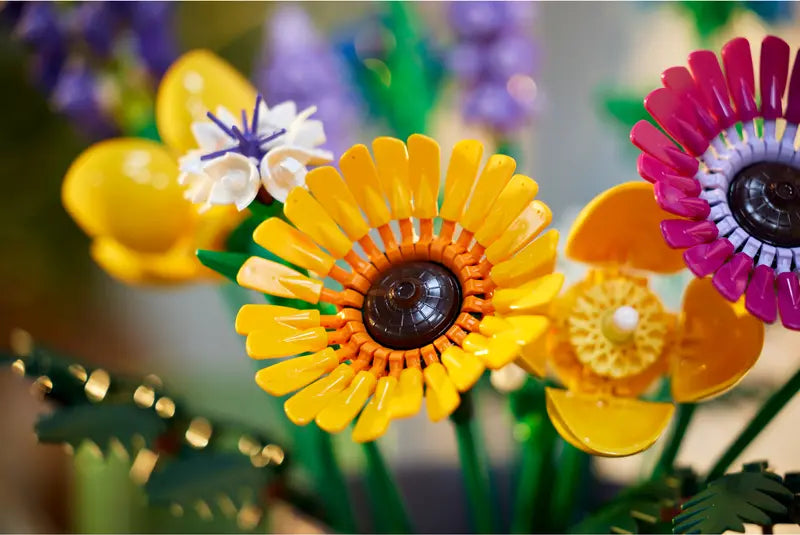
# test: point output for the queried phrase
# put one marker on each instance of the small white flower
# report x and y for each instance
(509, 378)
(284, 168)
(228, 179)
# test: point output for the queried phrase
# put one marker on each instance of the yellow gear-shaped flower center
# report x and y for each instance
(617, 328)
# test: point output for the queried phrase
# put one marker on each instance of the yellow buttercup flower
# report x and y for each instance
(124, 192)
(612, 338)
(420, 316)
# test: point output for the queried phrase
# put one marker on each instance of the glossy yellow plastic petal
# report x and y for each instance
(328, 187)
(496, 351)
(278, 340)
(424, 162)
(362, 179)
(198, 82)
(304, 406)
(533, 297)
(463, 368)
(528, 329)
(514, 197)
(527, 332)
(533, 356)
(441, 395)
(307, 214)
(622, 226)
(720, 342)
(127, 189)
(391, 161)
(375, 418)
(293, 374)
(254, 317)
(344, 407)
(284, 241)
(276, 279)
(612, 427)
(406, 399)
(461, 173)
(131, 267)
(520, 232)
(534, 260)
(494, 177)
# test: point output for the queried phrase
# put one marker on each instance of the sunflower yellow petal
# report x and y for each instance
(344, 407)
(720, 343)
(496, 351)
(198, 82)
(127, 189)
(276, 340)
(328, 187)
(293, 374)
(406, 399)
(309, 216)
(463, 368)
(132, 267)
(375, 418)
(533, 356)
(362, 179)
(253, 317)
(520, 232)
(534, 260)
(276, 279)
(284, 241)
(424, 162)
(528, 329)
(612, 427)
(494, 177)
(533, 297)
(304, 406)
(514, 197)
(391, 162)
(441, 395)
(622, 226)
(461, 173)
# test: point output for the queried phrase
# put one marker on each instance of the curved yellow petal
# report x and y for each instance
(254, 317)
(534, 260)
(309, 216)
(362, 179)
(127, 189)
(495, 175)
(198, 82)
(533, 297)
(292, 374)
(622, 226)
(344, 407)
(375, 418)
(514, 197)
(391, 161)
(328, 187)
(463, 368)
(424, 162)
(520, 232)
(276, 279)
(720, 342)
(533, 356)
(441, 396)
(496, 351)
(276, 340)
(611, 427)
(462, 170)
(304, 406)
(528, 332)
(131, 267)
(284, 241)
(406, 399)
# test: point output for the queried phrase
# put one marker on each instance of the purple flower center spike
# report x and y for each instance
(249, 142)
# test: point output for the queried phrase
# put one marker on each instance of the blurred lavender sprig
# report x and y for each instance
(297, 64)
(495, 61)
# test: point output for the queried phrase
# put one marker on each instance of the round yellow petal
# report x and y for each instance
(132, 267)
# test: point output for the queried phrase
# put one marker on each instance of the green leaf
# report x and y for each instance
(100, 424)
(730, 501)
(625, 106)
(709, 17)
(226, 264)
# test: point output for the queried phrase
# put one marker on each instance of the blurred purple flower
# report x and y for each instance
(76, 96)
(156, 42)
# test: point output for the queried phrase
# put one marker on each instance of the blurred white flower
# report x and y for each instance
(508, 378)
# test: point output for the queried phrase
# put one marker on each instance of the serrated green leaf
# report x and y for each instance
(226, 264)
(730, 501)
(100, 424)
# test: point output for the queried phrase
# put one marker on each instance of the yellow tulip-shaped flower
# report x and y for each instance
(419, 316)
(612, 338)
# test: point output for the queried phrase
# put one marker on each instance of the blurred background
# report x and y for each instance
(576, 74)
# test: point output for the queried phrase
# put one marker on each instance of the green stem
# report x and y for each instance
(474, 466)
(537, 454)
(389, 511)
(572, 466)
(331, 482)
(771, 407)
(666, 461)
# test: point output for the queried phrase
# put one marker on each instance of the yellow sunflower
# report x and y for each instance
(124, 192)
(612, 338)
(421, 315)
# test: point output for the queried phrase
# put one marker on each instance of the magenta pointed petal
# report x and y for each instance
(683, 233)
(689, 186)
(652, 141)
(654, 171)
(667, 109)
(675, 201)
(709, 78)
(680, 81)
(706, 258)
(731, 278)
(792, 113)
(772, 76)
(789, 300)
(760, 299)
(739, 71)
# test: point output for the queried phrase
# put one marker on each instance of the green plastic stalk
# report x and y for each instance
(388, 510)
(667, 459)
